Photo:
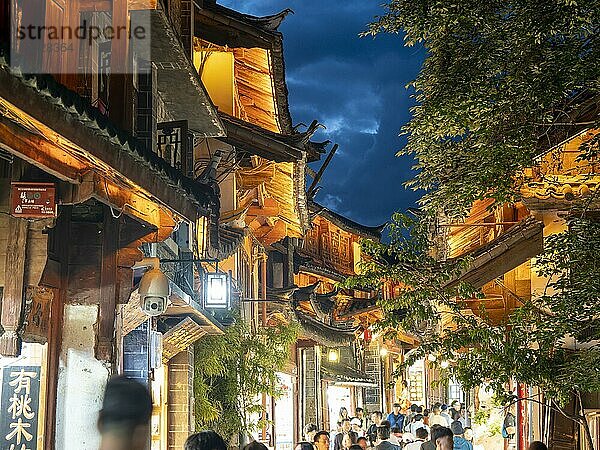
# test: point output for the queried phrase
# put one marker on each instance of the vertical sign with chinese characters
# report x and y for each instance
(20, 403)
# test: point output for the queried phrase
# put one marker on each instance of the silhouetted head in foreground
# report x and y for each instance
(537, 445)
(124, 420)
(205, 440)
(443, 438)
(254, 445)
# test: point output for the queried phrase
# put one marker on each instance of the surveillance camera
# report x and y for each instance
(154, 292)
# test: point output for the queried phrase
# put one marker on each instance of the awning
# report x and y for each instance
(342, 374)
(508, 251)
(54, 128)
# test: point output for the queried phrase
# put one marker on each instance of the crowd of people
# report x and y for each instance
(124, 424)
(415, 428)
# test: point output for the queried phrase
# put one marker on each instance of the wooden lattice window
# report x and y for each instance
(335, 247)
(345, 252)
(174, 146)
(325, 246)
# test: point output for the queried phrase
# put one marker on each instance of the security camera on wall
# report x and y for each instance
(154, 292)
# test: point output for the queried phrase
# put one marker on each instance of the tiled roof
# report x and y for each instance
(25, 90)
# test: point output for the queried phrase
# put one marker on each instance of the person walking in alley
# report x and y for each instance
(383, 436)
(360, 415)
(309, 431)
(421, 437)
(537, 445)
(436, 418)
(346, 430)
(444, 440)
(376, 418)
(356, 425)
(460, 443)
(321, 440)
(430, 444)
(396, 418)
(445, 415)
(205, 440)
(416, 424)
(343, 414)
(124, 420)
(363, 443)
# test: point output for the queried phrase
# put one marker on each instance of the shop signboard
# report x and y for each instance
(20, 407)
(416, 382)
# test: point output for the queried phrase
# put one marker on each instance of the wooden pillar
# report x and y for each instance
(12, 301)
(108, 288)
(118, 81)
(59, 272)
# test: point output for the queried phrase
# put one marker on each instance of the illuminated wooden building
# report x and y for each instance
(335, 366)
(115, 151)
(263, 163)
(503, 239)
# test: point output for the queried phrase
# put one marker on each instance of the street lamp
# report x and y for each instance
(431, 357)
(383, 352)
(333, 355)
(216, 290)
(444, 364)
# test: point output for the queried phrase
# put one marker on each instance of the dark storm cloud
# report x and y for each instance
(355, 86)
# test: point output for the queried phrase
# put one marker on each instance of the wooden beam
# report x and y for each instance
(95, 5)
(269, 209)
(39, 152)
(61, 235)
(14, 274)
(136, 5)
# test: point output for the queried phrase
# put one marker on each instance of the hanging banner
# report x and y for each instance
(20, 403)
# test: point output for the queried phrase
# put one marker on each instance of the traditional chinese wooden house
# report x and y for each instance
(263, 162)
(336, 367)
(502, 239)
(107, 159)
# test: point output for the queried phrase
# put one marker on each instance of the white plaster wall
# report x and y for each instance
(81, 381)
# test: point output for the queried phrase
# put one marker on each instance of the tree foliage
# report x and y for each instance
(233, 370)
(551, 341)
(498, 78)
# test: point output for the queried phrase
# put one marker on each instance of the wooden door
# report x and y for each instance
(564, 433)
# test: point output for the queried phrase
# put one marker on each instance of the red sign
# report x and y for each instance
(367, 336)
(33, 200)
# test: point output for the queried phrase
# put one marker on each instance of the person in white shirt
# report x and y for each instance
(418, 423)
(422, 436)
(445, 415)
(436, 417)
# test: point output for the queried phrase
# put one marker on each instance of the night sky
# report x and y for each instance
(356, 88)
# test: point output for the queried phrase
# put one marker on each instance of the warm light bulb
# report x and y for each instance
(383, 351)
(333, 355)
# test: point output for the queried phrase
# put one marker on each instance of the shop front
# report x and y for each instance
(283, 414)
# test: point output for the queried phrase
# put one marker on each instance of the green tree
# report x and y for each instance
(529, 347)
(233, 370)
(500, 76)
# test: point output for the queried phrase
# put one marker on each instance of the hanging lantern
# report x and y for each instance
(367, 336)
